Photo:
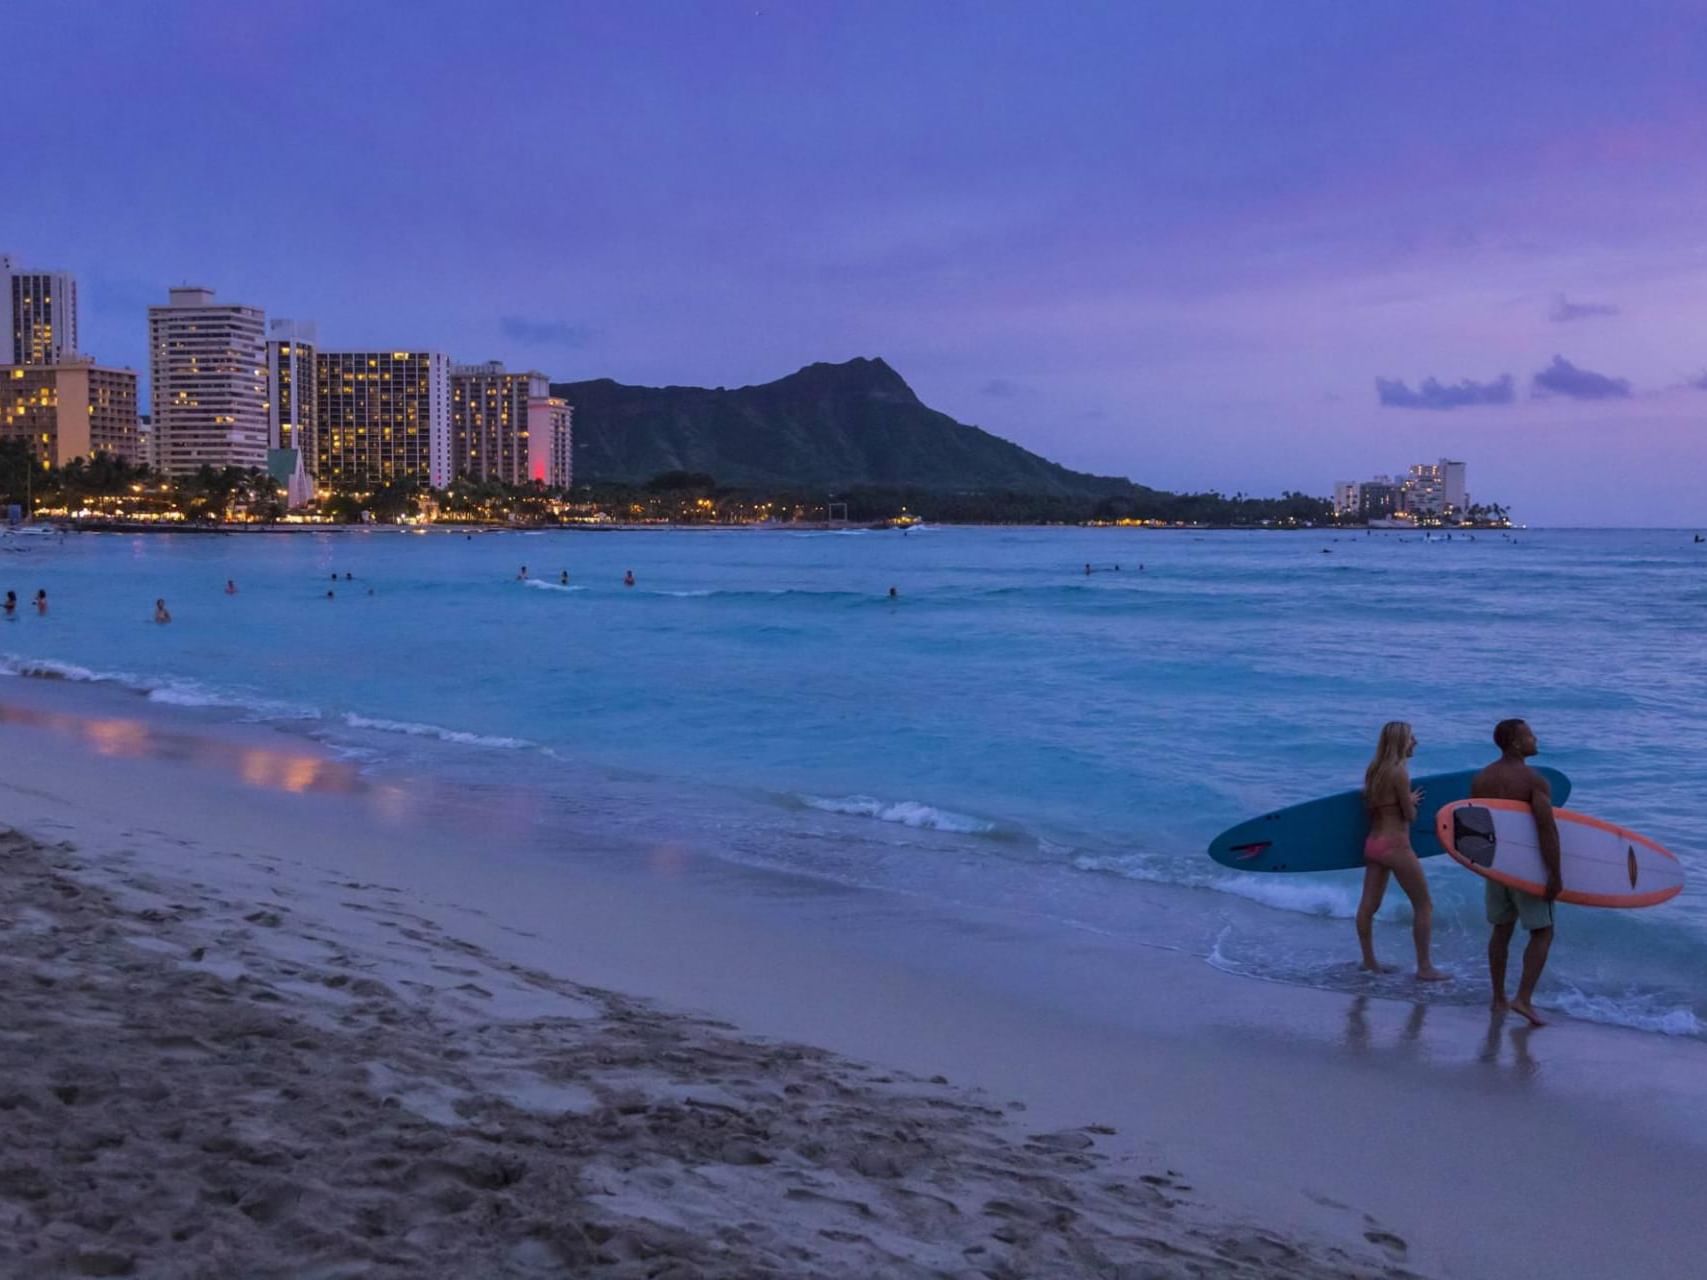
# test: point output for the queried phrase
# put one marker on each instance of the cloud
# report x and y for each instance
(1562, 378)
(1434, 394)
(544, 333)
(1564, 310)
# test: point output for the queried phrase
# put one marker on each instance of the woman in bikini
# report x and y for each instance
(1392, 807)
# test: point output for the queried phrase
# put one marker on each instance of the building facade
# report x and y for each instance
(291, 398)
(551, 433)
(209, 365)
(39, 312)
(381, 416)
(71, 410)
(490, 437)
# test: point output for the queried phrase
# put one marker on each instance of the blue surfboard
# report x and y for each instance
(1327, 834)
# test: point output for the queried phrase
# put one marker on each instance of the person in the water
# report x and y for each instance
(628, 578)
(161, 613)
(41, 600)
(11, 605)
(230, 586)
(563, 578)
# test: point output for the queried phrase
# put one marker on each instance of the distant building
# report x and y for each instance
(551, 436)
(1380, 498)
(74, 409)
(287, 470)
(1428, 491)
(290, 386)
(209, 365)
(382, 416)
(490, 417)
(38, 310)
(1452, 485)
(145, 454)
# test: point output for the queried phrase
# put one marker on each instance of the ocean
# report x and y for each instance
(1007, 733)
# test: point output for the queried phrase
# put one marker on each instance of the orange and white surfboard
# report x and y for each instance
(1602, 865)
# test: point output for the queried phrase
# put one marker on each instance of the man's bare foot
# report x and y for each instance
(1431, 974)
(1375, 966)
(1526, 1010)
(1498, 1005)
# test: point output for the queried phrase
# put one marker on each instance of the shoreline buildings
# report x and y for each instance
(508, 427)
(208, 362)
(229, 390)
(62, 404)
(380, 417)
(1429, 491)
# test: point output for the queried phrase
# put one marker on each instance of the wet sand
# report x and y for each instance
(256, 1026)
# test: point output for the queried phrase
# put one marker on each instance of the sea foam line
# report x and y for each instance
(166, 690)
(909, 813)
(414, 729)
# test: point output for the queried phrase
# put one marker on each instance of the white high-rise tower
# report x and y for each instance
(209, 399)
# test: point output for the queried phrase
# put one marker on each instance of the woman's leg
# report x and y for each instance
(1374, 889)
(1411, 879)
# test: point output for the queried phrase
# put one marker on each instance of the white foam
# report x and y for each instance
(417, 730)
(1631, 1011)
(166, 690)
(909, 813)
(543, 585)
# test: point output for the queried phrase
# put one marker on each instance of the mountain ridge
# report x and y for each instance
(827, 425)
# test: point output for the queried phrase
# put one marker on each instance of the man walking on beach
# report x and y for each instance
(1511, 778)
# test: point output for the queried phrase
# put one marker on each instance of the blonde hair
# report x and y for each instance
(1391, 751)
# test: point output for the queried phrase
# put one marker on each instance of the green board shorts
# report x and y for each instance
(1506, 905)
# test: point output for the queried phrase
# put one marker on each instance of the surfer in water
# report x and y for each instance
(1511, 778)
(1392, 807)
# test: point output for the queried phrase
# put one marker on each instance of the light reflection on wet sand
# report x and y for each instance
(121, 737)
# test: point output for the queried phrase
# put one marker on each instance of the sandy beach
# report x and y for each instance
(256, 1026)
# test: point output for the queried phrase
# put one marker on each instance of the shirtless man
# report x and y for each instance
(1511, 778)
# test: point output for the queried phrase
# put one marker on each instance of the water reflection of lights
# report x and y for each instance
(270, 768)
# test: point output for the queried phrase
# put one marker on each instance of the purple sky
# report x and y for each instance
(1177, 241)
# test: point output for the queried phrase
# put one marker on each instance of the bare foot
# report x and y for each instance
(1375, 966)
(1431, 974)
(1526, 1010)
(1499, 1004)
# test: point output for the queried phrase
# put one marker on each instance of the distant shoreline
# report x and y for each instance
(186, 527)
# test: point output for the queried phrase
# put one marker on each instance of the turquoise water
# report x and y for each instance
(1008, 732)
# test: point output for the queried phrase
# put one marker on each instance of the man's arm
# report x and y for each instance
(1541, 801)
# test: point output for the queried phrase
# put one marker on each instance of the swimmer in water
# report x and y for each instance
(11, 603)
(329, 595)
(230, 587)
(161, 612)
(628, 578)
(521, 574)
(893, 594)
(563, 578)
(41, 600)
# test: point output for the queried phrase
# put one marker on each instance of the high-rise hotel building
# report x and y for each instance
(209, 366)
(507, 426)
(551, 420)
(291, 399)
(72, 409)
(39, 312)
(60, 404)
(382, 416)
